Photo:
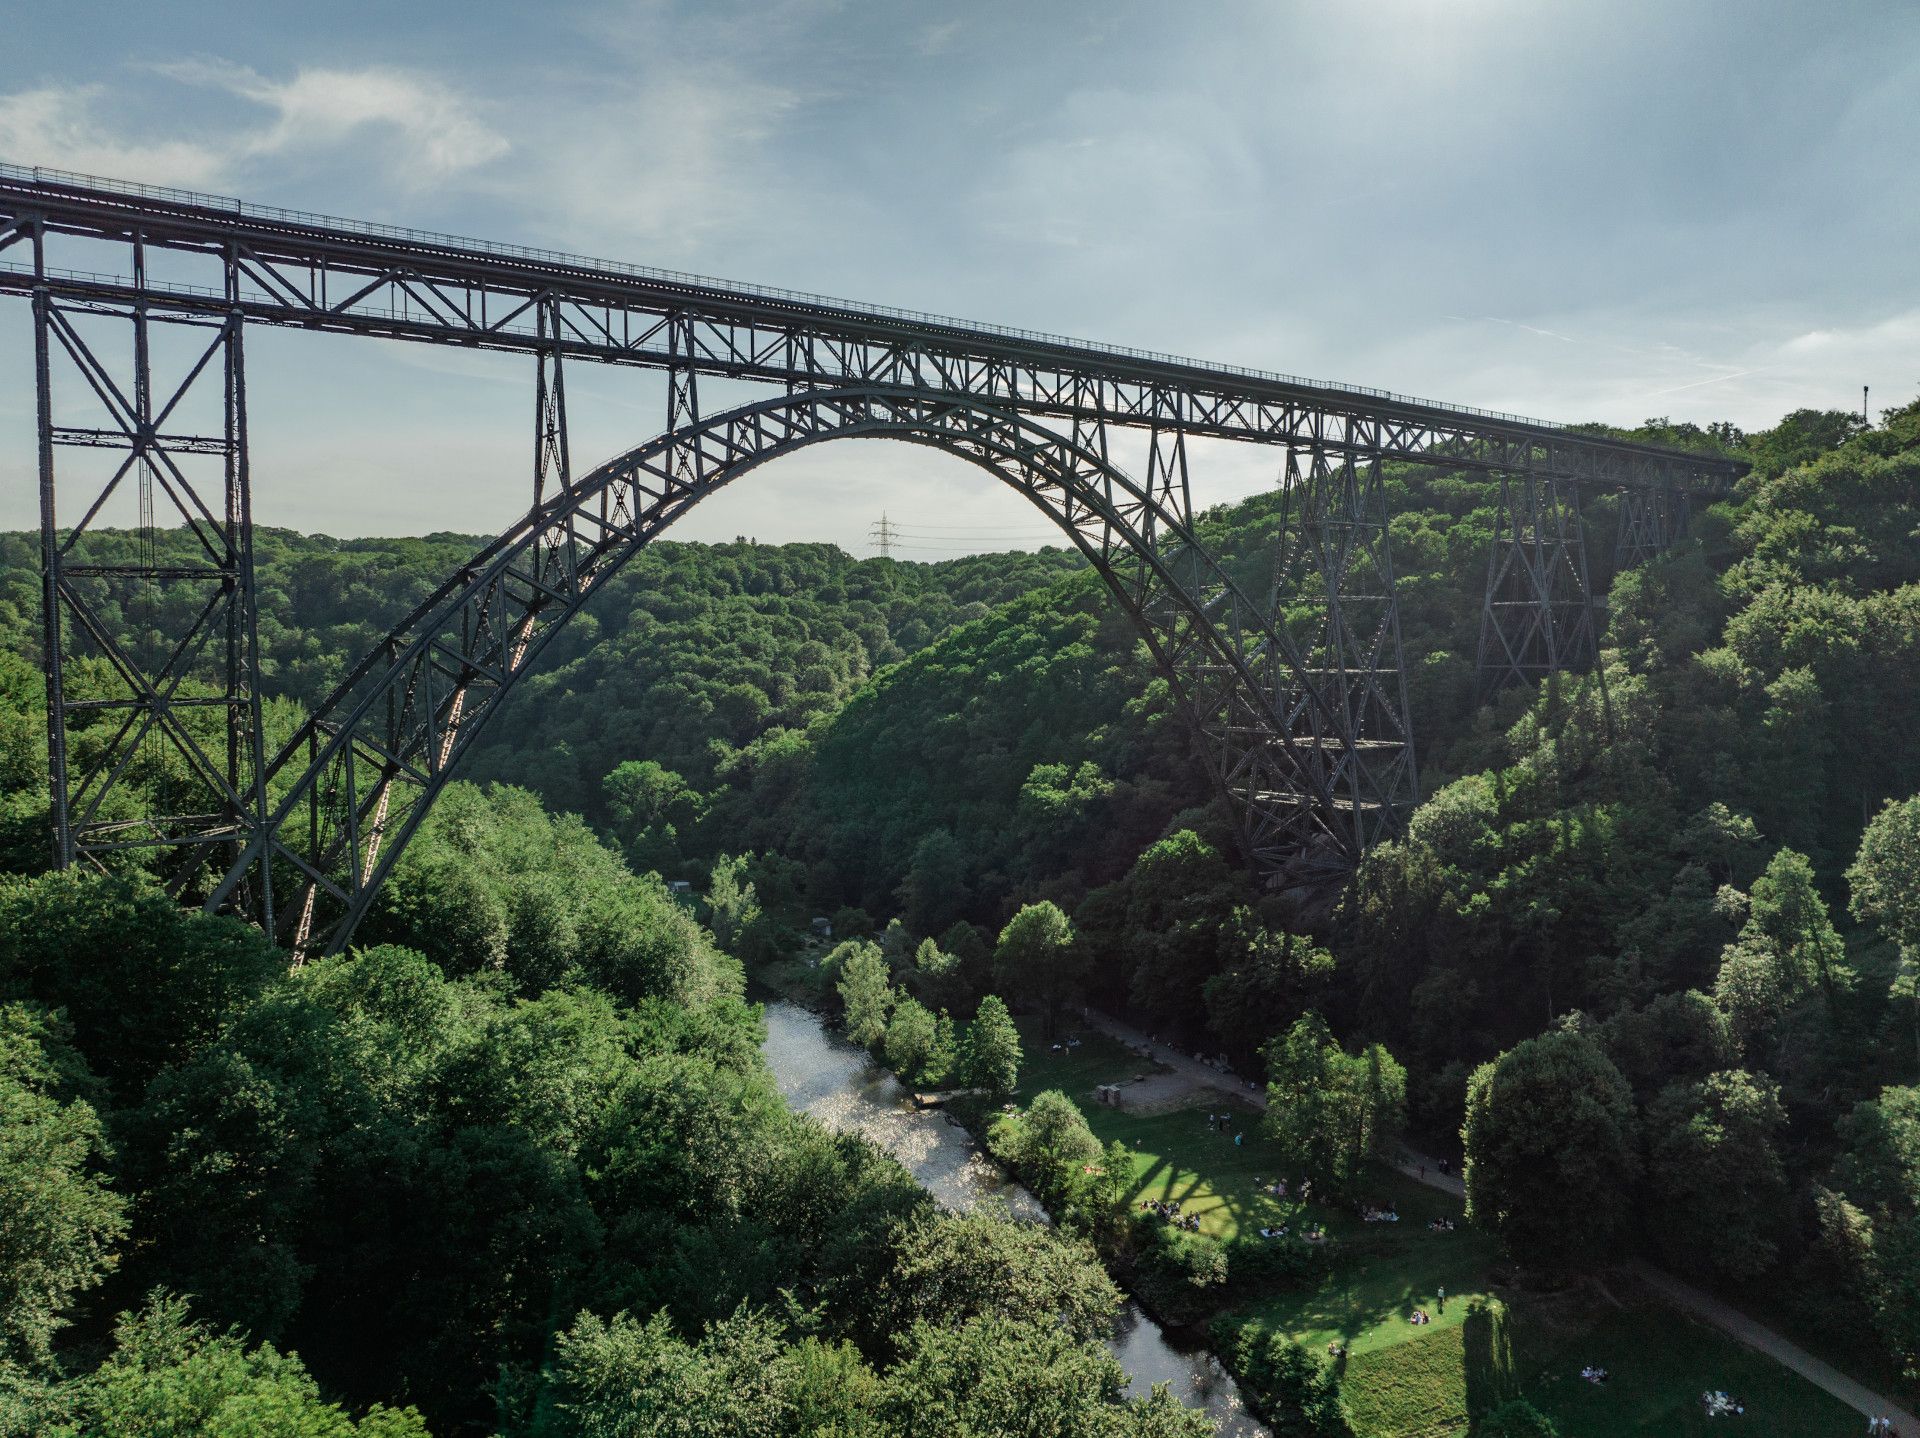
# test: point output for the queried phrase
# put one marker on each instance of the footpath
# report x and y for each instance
(1684, 1296)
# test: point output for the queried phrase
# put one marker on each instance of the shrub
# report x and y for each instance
(1267, 1266)
(1515, 1418)
(1298, 1393)
(1181, 1276)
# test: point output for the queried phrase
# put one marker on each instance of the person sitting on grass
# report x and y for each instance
(1420, 1317)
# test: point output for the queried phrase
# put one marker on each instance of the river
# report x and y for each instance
(821, 1075)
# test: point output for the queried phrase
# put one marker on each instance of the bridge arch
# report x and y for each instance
(357, 779)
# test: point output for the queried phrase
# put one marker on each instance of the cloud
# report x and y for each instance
(57, 126)
(75, 127)
(319, 109)
(674, 162)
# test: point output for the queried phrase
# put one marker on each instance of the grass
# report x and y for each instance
(1661, 1362)
(1405, 1381)
(1076, 1071)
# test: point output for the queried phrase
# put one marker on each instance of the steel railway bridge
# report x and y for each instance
(140, 301)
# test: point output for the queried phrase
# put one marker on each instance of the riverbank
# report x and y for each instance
(821, 1075)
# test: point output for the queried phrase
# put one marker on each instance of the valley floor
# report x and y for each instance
(1486, 1340)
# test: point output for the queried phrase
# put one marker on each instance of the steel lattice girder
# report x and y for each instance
(308, 272)
(357, 780)
(1316, 755)
(1537, 617)
(1334, 559)
(1652, 521)
(191, 704)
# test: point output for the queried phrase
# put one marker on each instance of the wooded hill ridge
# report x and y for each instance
(1684, 888)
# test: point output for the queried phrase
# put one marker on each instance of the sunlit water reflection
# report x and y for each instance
(838, 1085)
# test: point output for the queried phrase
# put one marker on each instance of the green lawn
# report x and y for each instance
(1076, 1071)
(1403, 1381)
(1660, 1363)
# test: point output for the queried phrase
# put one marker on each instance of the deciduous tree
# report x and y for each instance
(1550, 1150)
(992, 1052)
(866, 993)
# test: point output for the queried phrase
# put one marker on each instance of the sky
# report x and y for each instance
(1584, 210)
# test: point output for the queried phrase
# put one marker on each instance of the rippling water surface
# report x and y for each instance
(837, 1084)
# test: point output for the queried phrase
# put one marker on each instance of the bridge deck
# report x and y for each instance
(291, 268)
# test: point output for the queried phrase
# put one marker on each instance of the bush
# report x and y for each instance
(1515, 1418)
(1181, 1276)
(1297, 1392)
(1274, 1265)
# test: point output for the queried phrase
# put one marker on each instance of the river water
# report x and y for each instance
(837, 1084)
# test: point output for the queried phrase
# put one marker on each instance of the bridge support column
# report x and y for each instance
(550, 456)
(1651, 522)
(1334, 593)
(1538, 615)
(151, 655)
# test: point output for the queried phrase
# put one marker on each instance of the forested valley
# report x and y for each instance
(1645, 965)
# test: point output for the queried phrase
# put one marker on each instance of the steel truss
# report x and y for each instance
(1302, 722)
(179, 703)
(357, 779)
(313, 273)
(1538, 615)
(1652, 521)
(1334, 594)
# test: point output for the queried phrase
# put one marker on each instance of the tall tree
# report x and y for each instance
(1879, 1172)
(866, 993)
(1718, 1185)
(1885, 879)
(1550, 1151)
(61, 1220)
(934, 893)
(1786, 949)
(1050, 1143)
(1330, 1110)
(992, 1060)
(1038, 961)
(1267, 981)
(734, 908)
(909, 1041)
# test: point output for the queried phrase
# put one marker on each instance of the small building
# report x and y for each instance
(680, 888)
(822, 928)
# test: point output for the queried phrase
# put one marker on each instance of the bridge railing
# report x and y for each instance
(199, 199)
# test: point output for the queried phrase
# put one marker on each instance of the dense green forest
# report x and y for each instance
(1645, 961)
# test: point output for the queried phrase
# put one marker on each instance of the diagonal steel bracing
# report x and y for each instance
(312, 272)
(151, 666)
(1334, 594)
(1298, 707)
(1651, 522)
(1538, 614)
(357, 780)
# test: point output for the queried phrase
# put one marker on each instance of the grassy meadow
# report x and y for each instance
(1486, 1342)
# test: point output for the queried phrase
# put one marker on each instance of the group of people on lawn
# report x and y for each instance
(1173, 1213)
